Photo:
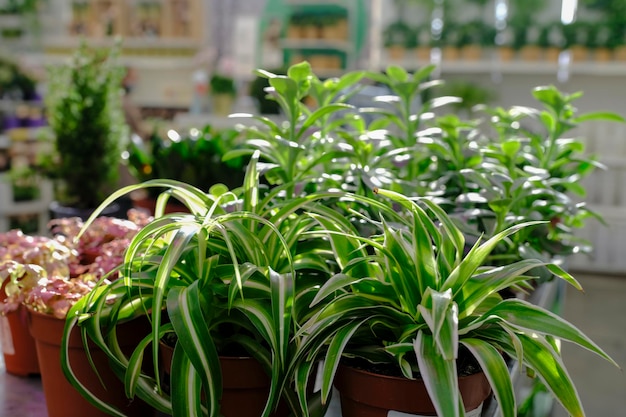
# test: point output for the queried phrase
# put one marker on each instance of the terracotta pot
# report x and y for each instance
(364, 394)
(531, 53)
(579, 53)
(423, 54)
(396, 52)
(62, 400)
(222, 104)
(602, 54)
(450, 53)
(619, 54)
(18, 346)
(552, 54)
(245, 389)
(506, 54)
(143, 202)
(245, 386)
(472, 52)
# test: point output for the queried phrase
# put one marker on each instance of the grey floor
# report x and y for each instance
(600, 312)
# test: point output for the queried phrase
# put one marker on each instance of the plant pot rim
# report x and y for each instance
(399, 378)
(363, 390)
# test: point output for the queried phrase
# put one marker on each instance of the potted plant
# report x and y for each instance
(223, 92)
(42, 277)
(413, 303)
(17, 248)
(219, 283)
(84, 109)
(398, 37)
(193, 157)
(16, 84)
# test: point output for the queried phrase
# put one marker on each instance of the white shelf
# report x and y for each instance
(598, 68)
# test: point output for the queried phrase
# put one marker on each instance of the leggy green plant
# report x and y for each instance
(540, 168)
(412, 298)
(294, 150)
(406, 107)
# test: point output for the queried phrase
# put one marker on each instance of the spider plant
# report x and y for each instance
(236, 272)
(412, 298)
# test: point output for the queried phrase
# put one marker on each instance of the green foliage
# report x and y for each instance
(294, 150)
(385, 233)
(194, 158)
(221, 84)
(15, 83)
(84, 109)
(412, 296)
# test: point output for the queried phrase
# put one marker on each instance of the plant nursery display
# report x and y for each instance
(395, 241)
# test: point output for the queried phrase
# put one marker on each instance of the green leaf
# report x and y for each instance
(334, 353)
(547, 364)
(186, 387)
(439, 375)
(477, 255)
(608, 116)
(530, 319)
(349, 79)
(441, 316)
(511, 147)
(285, 87)
(196, 361)
(497, 372)
(423, 72)
(282, 298)
(397, 74)
(300, 72)
(319, 113)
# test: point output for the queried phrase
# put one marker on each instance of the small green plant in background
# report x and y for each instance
(84, 110)
(221, 84)
(195, 157)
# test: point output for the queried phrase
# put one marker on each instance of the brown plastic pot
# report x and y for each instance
(148, 204)
(365, 394)
(18, 346)
(62, 400)
(245, 386)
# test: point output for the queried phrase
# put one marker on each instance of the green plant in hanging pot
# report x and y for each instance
(413, 304)
(84, 110)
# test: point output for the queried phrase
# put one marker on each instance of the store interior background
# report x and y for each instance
(235, 37)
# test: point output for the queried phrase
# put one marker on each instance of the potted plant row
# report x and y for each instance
(391, 239)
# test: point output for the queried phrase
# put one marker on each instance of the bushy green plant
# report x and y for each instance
(195, 157)
(15, 83)
(222, 84)
(84, 110)
(412, 297)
